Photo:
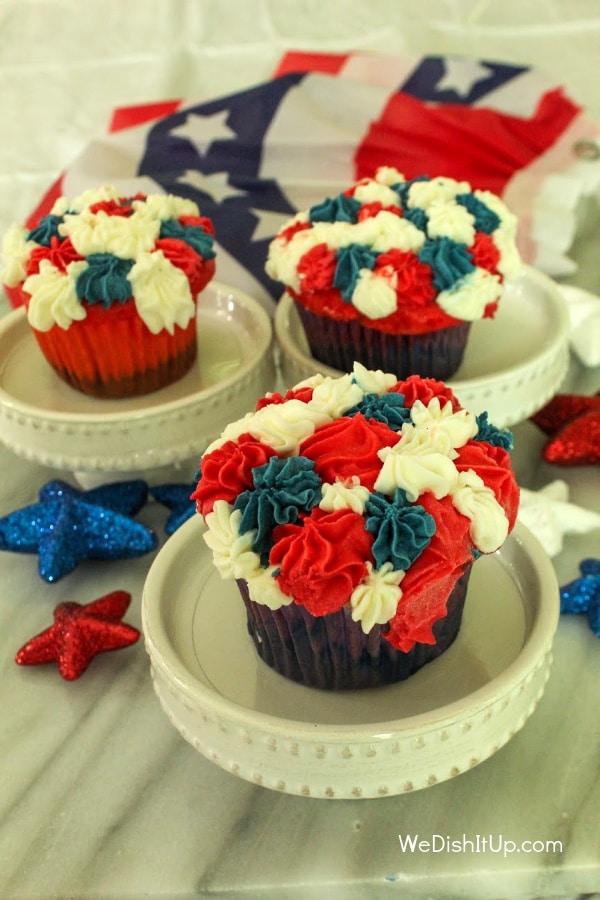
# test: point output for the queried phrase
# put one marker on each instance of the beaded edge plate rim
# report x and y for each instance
(143, 433)
(356, 760)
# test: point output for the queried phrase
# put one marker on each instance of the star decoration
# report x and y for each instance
(549, 515)
(216, 185)
(583, 594)
(201, 131)
(177, 498)
(268, 224)
(461, 76)
(80, 632)
(68, 526)
(572, 422)
(584, 318)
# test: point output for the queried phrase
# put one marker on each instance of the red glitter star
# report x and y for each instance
(79, 633)
(573, 423)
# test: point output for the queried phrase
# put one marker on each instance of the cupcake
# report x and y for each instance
(110, 286)
(392, 273)
(350, 513)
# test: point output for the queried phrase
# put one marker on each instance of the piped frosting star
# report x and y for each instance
(572, 422)
(582, 595)
(177, 498)
(68, 526)
(79, 633)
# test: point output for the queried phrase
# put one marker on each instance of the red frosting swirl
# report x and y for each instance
(288, 233)
(112, 208)
(202, 222)
(414, 280)
(428, 583)
(227, 471)
(321, 561)
(368, 210)
(304, 394)
(484, 252)
(349, 446)
(185, 258)
(60, 253)
(424, 389)
(316, 268)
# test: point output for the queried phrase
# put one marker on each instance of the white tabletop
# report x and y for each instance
(100, 796)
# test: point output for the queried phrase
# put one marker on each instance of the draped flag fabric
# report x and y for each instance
(255, 157)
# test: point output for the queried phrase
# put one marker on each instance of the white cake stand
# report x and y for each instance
(45, 420)
(513, 364)
(444, 720)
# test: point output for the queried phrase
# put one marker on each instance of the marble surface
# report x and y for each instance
(100, 797)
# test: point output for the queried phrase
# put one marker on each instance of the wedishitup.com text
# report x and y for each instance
(478, 843)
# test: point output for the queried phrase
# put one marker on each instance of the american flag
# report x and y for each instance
(253, 158)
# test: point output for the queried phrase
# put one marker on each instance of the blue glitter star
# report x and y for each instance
(67, 526)
(177, 498)
(583, 594)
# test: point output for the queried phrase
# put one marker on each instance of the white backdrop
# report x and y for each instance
(65, 64)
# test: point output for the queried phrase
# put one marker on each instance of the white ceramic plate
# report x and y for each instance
(44, 419)
(513, 364)
(447, 718)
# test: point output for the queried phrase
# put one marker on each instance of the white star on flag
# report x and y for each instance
(215, 184)
(461, 75)
(202, 131)
(548, 514)
(269, 224)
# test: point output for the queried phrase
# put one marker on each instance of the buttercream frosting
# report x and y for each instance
(102, 248)
(400, 256)
(360, 490)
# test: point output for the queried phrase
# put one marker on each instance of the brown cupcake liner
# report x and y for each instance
(332, 652)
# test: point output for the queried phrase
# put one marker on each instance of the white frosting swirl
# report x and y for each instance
(389, 175)
(263, 589)
(469, 298)
(350, 494)
(438, 190)
(476, 501)
(15, 252)
(88, 198)
(373, 381)
(283, 426)
(333, 396)
(374, 192)
(445, 429)
(232, 552)
(161, 293)
(375, 296)
(123, 236)
(165, 206)
(415, 472)
(54, 300)
(452, 221)
(375, 600)
(422, 458)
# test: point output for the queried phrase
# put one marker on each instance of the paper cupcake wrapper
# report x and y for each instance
(111, 353)
(436, 354)
(332, 651)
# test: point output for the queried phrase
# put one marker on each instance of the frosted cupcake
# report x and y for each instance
(110, 285)
(350, 513)
(392, 273)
